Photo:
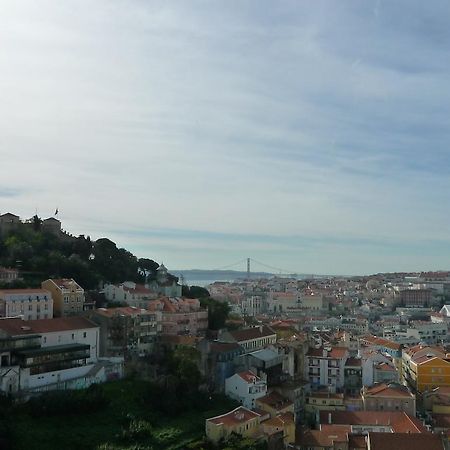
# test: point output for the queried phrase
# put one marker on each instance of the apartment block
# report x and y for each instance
(245, 387)
(68, 296)
(30, 304)
(325, 367)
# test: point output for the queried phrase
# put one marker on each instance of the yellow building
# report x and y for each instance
(68, 296)
(324, 401)
(425, 368)
(241, 421)
(432, 372)
(285, 423)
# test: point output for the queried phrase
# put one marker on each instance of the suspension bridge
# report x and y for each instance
(248, 263)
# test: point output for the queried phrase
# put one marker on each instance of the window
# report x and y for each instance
(30, 307)
(73, 336)
(84, 334)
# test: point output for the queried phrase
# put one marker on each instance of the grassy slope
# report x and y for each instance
(90, 431)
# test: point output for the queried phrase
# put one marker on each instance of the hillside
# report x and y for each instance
(40, 253)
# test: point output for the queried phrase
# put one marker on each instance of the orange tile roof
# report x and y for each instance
(248, 376)
(357, 441)
(237, 416)
(280, 420)
(252, 333)
(319, 438)
(65, 283)
(375, 340)
(275, 401)
(17, 327)
(139, 289)
(398, 420)
(388, 390)
(24, 291)
(404, 441)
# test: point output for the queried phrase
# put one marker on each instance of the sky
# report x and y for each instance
(312, 136)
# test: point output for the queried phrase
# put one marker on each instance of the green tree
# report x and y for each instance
(217, 312)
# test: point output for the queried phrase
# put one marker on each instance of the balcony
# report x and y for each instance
(24, 342)
(51, 355)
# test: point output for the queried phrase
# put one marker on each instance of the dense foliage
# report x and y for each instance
(40, 255)
(119, 416)
(217, 312)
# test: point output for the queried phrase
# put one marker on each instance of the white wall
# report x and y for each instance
(82, 336)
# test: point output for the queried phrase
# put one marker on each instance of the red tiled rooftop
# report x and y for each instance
(252, 333)
(275, 401)
(405, 441)
(388, 390)
(375, 340)
(139, 289)
(24, 291)
(357, 441)
(319, 438)
(65, 283)
(237, 416)
(280, 420)
(248, 376)
(399, 421)
(17, 327)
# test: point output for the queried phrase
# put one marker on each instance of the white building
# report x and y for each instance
(252, 305)
(371, 361)
(418, 331)
(31, 304)
(60, 353)
(325, 367)
(245, 387)
(133, 294)
(282, 302)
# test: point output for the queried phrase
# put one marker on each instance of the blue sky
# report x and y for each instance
(311, 136)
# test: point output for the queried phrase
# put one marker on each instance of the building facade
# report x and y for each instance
(31, 304)
(245, 387)
(127, 330)
(68, 296)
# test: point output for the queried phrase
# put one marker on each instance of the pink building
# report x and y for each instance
(181, 315)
